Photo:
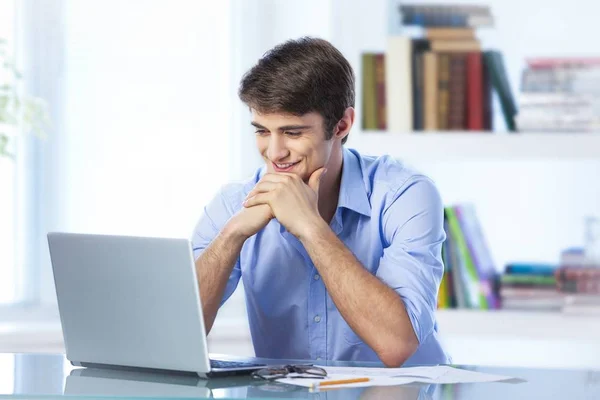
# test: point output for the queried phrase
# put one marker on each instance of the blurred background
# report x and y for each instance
(128, 121)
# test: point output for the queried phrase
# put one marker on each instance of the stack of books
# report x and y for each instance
(560, 94)
(436, 77)
(470, 278)
(530, 286)
(572, 286)
(579, 282)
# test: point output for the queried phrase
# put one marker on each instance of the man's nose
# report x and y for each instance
(277, 150)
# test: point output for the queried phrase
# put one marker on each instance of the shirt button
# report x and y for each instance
(317, 318)
(317, 277)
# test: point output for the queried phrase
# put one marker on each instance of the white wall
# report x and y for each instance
(140, 94)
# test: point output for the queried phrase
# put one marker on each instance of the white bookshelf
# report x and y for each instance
(517, 338)
(521, 338)
(476, 146)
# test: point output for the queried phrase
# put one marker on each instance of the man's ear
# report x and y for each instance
(342, 129)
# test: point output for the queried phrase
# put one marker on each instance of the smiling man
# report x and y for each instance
(339, 253)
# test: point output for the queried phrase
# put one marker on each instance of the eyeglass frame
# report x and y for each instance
(310, 372)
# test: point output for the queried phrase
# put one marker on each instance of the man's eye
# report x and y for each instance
(261, 131)
(293, 133)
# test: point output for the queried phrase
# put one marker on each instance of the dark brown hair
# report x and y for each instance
(298, 77)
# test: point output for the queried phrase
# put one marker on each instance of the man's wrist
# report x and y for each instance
(233, 235)
(313, 229)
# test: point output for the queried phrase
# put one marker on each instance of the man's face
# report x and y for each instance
(292, 144)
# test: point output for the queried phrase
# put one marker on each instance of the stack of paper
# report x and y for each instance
(397, 376)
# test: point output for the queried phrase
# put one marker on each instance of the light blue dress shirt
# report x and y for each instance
(388, 215)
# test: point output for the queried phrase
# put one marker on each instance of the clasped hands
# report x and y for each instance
(291, 201)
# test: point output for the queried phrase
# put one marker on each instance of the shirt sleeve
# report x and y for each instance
(413, 228)
(213, 219)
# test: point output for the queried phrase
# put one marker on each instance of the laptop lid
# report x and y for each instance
(129, 301)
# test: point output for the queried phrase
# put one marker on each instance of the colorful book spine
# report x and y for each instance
(480, 253)
(578, 279)
(499, 79)
(531, 269)
(380, 91)
(430, 91)
(369, 88)
(419, 47)
(457, 88)
(456, 16)
(443, 91)
(476, 296)
(475, 92)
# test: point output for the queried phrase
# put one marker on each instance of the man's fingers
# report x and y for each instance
(260, 198)
(315, 178)
(280, 177)
(261, 187)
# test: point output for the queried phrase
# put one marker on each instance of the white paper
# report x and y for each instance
(434, 374)
(375, 381)
(398, 376)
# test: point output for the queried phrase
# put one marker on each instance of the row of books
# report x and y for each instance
(470, 279)
(560, 94)
(548, 287)
(439, 79)
(530, 286)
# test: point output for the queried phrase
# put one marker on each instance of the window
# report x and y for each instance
(7, 173)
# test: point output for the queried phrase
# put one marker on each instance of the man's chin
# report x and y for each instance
(297, 173)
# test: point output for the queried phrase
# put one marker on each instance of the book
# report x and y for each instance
(398, 84)
(419, 46)
(369, 88)
(430, 91)
(562, 62)
(457, 87)
(578, 279)
(456, 287)
(380, 91)
(476, 297)
(543, 269)
(443, 96)
(450, 33)
(455, 46)
(479, 250)
(487, 103)
(435, 15)
(494, 62)
(528, 280)
(475, 92)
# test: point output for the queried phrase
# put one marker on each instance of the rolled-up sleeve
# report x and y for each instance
(413, 230)
(213, 219)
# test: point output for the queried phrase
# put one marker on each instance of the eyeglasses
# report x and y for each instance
(290, 371)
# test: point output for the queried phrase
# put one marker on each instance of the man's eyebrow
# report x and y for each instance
(283, 128)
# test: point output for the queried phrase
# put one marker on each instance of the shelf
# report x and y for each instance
(477, 146)
(519, 325)
(521, 338)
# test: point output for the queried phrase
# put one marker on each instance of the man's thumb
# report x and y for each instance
(315, 178)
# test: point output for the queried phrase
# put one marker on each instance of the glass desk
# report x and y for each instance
(34, 376)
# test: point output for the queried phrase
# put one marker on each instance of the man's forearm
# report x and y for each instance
(371, 308)
(213, 269)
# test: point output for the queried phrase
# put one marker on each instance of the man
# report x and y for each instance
(339, 254)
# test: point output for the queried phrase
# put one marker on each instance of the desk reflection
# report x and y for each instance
(117, 383)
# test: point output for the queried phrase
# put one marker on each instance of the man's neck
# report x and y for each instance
(329, 188)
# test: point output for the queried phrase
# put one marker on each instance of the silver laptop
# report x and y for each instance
(132, 302)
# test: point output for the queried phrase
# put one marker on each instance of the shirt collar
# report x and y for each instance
(353, 191)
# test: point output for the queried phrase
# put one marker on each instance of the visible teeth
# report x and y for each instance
(283, 166)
